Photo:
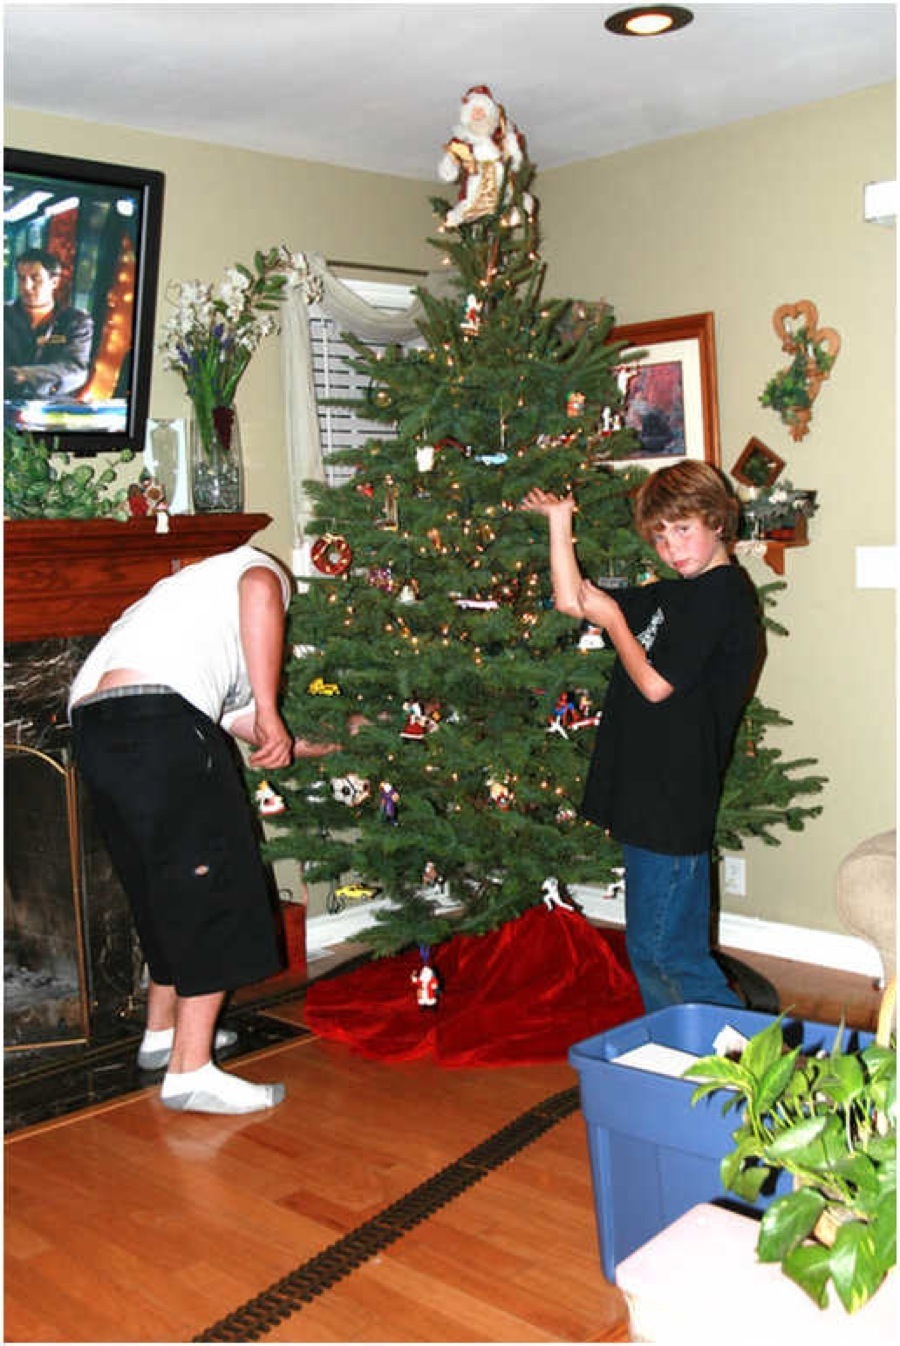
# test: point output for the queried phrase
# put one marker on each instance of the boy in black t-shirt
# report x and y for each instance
(687, 654)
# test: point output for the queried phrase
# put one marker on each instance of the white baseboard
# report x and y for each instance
(324, 932)
(825, 948)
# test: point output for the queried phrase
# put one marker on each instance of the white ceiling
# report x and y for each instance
(378, 86)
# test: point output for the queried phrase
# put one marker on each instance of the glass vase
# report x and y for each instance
(217, 467)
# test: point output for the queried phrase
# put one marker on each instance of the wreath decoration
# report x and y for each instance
(331, 554)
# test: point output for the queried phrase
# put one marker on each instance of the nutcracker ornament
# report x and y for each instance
(426, 982)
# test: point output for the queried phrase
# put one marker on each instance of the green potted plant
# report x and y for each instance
(39, 484)
(830, 1122)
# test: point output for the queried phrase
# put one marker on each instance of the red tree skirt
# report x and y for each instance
(522, 994)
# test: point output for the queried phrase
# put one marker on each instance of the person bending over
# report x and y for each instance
(153, 708)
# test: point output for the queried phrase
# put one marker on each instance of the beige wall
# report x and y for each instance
(221, 206)
(736, 221)
(739, 221)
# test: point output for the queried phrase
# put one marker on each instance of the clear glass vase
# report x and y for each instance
(217, 466)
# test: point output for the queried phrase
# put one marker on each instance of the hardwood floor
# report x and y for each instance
(130, 1223)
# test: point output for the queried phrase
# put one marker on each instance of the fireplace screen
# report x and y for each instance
(45, 977)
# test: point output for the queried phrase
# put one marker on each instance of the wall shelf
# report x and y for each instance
(774, 553)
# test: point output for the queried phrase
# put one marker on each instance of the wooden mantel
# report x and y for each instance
(72, 578)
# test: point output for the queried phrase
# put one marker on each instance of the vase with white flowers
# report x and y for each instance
(209, 340)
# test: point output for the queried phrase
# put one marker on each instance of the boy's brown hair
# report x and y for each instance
(686, 489)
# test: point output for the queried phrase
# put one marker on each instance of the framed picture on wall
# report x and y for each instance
(758, 465)
(669, 385)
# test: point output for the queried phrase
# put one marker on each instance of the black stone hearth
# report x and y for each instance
(41, 1085)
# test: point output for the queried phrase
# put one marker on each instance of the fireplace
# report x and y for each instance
(72, 965)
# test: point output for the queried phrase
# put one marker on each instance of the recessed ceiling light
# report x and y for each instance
(648, 20)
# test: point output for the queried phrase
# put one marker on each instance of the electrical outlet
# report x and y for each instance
(734, 876)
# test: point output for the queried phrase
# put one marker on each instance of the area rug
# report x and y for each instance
(520, 995)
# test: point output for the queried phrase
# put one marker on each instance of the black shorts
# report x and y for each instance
(172, 807)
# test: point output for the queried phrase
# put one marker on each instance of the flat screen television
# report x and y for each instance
(80, 270)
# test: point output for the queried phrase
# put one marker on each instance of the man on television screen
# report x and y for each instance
(47, 349)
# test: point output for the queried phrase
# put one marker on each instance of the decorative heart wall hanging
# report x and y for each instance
(792, 391)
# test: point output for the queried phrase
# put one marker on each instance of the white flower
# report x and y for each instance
(212, 332)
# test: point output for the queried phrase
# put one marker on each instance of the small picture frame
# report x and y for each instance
(758, 465)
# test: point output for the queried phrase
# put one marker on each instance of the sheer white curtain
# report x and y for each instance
(322, 292)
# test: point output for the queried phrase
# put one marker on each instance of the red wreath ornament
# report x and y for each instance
(331, 554)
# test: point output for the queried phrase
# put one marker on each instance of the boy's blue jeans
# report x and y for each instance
(667, 929)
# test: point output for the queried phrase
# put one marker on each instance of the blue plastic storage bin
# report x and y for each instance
(653, 1156)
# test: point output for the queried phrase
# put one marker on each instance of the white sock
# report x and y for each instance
(163, 1039)
(210, 1089)
(158, 1039)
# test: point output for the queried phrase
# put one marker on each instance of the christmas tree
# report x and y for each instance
(427, 646)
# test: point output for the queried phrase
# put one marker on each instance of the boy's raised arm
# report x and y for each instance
(565, 574)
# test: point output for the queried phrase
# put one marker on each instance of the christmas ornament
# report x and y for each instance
(575, 404)
(389, 802)
(331, 554)
(610, 421)
(426, 981)
(433, 883)
(425, 457)
(479, 604)
(319, 687)
(472, 320)
(268, 801)
(584, 716)
(350, 790)
(501, 794)
(552, 897)
(390, 518)
(419, 723)
(563, 714)
(381, 577)
(484, 155)
(573, 710)
(350, 892)
(409, 593)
